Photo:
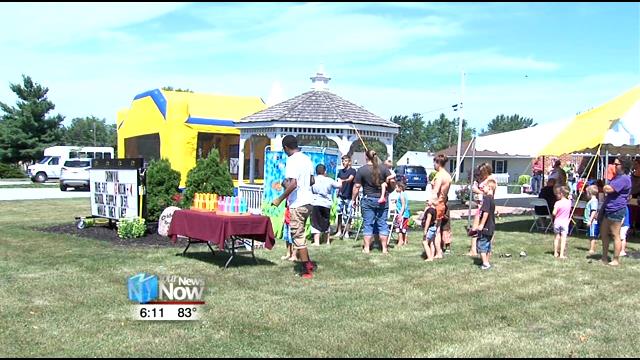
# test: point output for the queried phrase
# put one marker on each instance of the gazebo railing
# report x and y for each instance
(253, 195)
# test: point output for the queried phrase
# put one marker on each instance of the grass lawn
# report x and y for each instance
(66, 296)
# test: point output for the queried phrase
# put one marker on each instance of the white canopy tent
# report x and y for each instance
(626, 131)
(623, 137)
(524, 142)
(528, 141)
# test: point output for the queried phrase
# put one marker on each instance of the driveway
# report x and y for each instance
(514, 200)
(37, 193)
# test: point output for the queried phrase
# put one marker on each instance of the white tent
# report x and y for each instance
(526, 142)
(625, 131)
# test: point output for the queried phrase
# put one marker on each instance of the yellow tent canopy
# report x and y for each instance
(594, 127)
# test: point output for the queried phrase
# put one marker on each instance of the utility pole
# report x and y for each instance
(460, 128)
(94, 133)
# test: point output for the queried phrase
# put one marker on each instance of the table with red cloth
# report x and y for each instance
(224, 231)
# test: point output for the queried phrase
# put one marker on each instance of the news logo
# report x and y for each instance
(143, 288)
(168, 297)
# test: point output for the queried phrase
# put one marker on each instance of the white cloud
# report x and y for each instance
(52, 24)
(544, 101)
(323, 29)
(248, 46)
(469, 61)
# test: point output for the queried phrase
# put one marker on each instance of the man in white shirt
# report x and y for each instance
(299, 173)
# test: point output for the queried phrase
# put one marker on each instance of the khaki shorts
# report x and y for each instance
(299, 218)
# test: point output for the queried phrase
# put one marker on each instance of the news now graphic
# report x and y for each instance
(168, 297)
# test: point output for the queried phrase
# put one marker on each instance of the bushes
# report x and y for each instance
(11, 171)
(524, 179)
(208, 176)
(432, 175)
(130, 228)
(514, 189)
(162, 186)
(462, 193)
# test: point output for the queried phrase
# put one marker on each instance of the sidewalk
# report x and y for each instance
(25, 182)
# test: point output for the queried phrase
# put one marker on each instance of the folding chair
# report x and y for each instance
(356, 214)
(391, 216)
(578, 219)
(539, 206)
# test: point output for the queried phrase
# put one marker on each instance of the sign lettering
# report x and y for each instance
(114, 189)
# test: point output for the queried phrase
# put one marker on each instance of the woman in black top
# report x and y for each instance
(374, 214)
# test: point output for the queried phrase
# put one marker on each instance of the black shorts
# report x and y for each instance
(320, 218)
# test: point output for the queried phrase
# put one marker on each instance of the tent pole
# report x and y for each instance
(606, 164)
(599, 164)
(543, 172)
(473, 166)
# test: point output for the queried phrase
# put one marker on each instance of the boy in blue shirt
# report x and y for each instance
(402, 214)
(591, 217)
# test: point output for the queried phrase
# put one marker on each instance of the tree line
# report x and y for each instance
(416, 134)
(27, 128)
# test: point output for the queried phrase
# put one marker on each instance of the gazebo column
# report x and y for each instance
(243, 139)
(252, 156)
(276, 142)
(388, 142)
(344, 144)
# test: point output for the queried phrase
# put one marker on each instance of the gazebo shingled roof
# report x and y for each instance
(318, 106)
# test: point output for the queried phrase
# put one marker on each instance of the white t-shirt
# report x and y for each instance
(323, 191)
(299, 167)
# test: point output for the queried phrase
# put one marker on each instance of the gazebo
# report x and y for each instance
(315, 114)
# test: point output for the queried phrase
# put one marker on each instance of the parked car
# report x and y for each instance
(75, 173)
(50, 166)
(414, 176)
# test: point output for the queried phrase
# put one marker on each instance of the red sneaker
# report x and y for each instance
(308, 275)
(310, 266)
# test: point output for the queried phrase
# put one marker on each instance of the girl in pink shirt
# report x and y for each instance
(562, 217)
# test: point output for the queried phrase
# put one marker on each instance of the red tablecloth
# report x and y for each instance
(215, 228)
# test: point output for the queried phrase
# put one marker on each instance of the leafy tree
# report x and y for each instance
(412, 134)
(503, 123)
(210, 175)
(11, 171)
(170, 88)
(90, 131)
(442, 133)
(376, 145)
(162, 184)
(26, 130)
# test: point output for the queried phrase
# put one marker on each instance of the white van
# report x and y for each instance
(55, 156)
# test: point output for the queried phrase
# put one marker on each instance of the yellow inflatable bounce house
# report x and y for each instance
(183, 127)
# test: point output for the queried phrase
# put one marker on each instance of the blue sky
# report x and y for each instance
(547, 61)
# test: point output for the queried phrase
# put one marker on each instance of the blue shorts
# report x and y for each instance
(286, 234)
(344, 207)
(431, 234)
(616, 216)
(483, 244)
(374, 217)
(594, 230)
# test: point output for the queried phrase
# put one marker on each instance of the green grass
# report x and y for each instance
(66, 296)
